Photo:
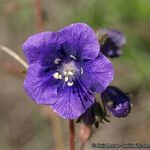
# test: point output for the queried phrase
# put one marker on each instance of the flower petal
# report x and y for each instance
(40, 85)
(121, 110)
(42, 46)
(69, 105)
(98, 74)
(80, 40)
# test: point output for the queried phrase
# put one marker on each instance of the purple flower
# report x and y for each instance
(94, 115)
(65, 68)
(116, 101)
(112, 42)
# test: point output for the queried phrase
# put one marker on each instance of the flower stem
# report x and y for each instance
(14, 55)
(71, 134)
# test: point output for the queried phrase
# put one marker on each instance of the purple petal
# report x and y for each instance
(81, 41)
(40, 85)
(42, 46)
(69, 105)
(98, 74)
(121, 110)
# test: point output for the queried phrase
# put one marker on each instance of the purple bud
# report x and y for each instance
(111, 41)
(117, 102)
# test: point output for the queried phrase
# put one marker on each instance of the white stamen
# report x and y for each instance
(71, 56)
(70, 73)
(56, 75)
(65, 72)
(81, 70)
(60, 76)
(66, 79)
(57, 61)
(70, 83)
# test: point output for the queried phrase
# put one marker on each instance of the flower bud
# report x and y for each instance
(111, 41)
(117, 102)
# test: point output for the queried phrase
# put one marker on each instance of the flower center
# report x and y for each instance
(67, 73)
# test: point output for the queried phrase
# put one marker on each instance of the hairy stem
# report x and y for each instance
(14, 55)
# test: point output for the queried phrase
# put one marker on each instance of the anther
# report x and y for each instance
(71, 56)
(81, 70)
(66, 79)
(56, 75)
(70, 73)
(70, 83)
(65, 72)
(60, 76)
(57, 61)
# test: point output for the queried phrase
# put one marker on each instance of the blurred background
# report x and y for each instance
(27, 126)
